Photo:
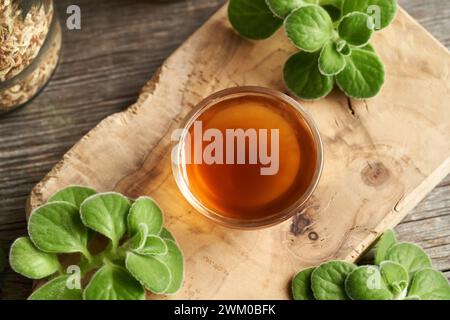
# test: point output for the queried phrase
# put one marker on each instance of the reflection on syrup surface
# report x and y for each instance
(239, 190)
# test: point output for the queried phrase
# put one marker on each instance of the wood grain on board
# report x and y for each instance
(382, 156)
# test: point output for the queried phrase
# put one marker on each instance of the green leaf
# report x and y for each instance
(153, 274)
(301, 285)
(138, 240)
(145, 210)
(333, 3)
(396, 278)
(282, 8)
(343, 48)
(113, 282)
(165, 234)
(309, 28)
(410, 256)
(29, 261)
(382, 246)
(363, 75)
(368, 47)
(175, 262)
(328, 280)
(56, 227)
(366, 283)
(334, 12)
(412, 298)
(382, 11)
(56, 289)
(354, 29)
(153, 245)
(73, 194)
(303, 78)
(331, 62)
(429, 284)
(253, 19)
(106, 213)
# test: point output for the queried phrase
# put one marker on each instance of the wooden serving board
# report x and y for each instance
(382, 156)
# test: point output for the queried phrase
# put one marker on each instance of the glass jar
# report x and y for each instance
(29, 51)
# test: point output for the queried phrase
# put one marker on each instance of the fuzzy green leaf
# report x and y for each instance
(386, 241)
(333, 11)
(354, 29)
(107, 214)
(253, 19)
(429, 284)
(368, 47)
(56, 227)
(410, 256)
(396, 278)
(30, 262)
(56, 289)
(301, 285)
(303, 78)
(73, 194)
(343, 48)
(175, 263)
(331, 62)
(282, 8)
(363, 75)
(382, 11)
(165, 234)
(309, 28)
(366, 283)
(333, 3)
(153, 274)
(328, 280)
(138, 240)
(145, 210)
(113, 282)
(412, 298)
(153, 245)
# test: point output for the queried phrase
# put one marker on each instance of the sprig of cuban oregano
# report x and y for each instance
(333, 36)
(141, 253)
(401, 271)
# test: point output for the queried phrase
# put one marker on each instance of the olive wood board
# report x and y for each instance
(382, 156)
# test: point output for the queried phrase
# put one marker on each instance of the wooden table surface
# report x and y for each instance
(103, 67)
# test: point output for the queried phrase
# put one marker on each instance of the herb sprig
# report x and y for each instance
(140, 254)
(401, 271)
(333, 37)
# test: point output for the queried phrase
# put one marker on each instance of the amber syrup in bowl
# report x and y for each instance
(247, 157)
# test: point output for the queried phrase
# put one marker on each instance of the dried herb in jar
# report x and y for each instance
(30, 40)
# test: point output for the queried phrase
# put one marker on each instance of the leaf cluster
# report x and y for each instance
(333, 37)
(138, 252)
(401, 271)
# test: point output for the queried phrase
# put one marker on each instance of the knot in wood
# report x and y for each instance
(375, 174)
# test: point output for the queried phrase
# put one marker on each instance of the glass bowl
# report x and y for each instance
(179, 167)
